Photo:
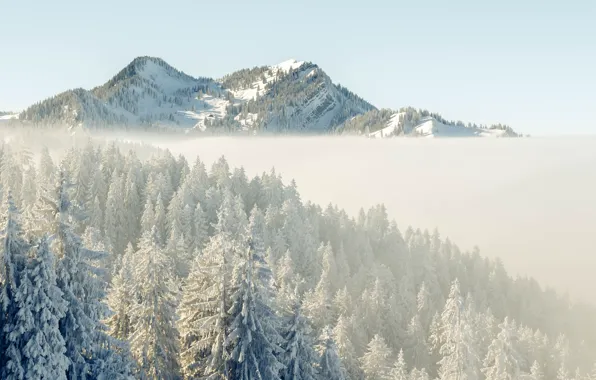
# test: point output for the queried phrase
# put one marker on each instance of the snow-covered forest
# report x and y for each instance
(120, 266)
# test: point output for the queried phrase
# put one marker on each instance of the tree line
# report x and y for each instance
(117, 267)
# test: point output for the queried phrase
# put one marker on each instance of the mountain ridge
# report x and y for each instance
(290, 97)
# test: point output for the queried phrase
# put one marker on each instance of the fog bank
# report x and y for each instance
(529, 201)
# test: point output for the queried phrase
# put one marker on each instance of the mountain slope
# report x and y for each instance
(146, 92)
(419, 123)
(291, 97)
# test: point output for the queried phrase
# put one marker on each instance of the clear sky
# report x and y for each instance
(528, 63)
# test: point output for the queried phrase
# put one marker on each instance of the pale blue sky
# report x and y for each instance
(527, 63)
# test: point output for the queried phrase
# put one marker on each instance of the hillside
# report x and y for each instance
(290, 97)
(203, 250)
(408, 121)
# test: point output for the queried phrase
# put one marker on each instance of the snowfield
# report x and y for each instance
(431, 128)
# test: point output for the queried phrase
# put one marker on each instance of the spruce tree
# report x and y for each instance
(399, 370)
(12, 269)
(36, 347)
(299, 357)
(502, 361)
(254, 340)
(154, 342)
(330, 367)
(376, 361)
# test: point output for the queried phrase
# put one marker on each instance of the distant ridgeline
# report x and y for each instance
(115, 268)
(291, 97)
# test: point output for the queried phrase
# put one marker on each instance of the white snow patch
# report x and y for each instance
(392, 125)
(9, 117)
(286, 66)
(431, 128)
(167, 82)
(258, 86)
(248, 121)
(208, 107)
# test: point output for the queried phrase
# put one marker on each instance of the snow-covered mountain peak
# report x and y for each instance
(292, 96)
(155, 71)
(288, 65)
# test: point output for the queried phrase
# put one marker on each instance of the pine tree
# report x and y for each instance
(29, 193)
(376, 362)
(201, 228)
(342, 302)
(458, 349)
(47, 169)
(563, 373)
(341, 335)
(502, 361)
(417, 350)
(202, 315)
(300, 357)
(536, 372)
(121, 297)
(154, 342)
(12, 267)
(96, 216)
(36, 347)
(399, 370)
(187, 228)
(176, 250)
(317, 302)
(254, 337)
(78, 277)
(133, 210)
(160, 220)
(115, 219)
(148, 217)
(330, 367)
(204, 319)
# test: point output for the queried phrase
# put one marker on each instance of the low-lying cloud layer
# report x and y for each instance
(529, 201)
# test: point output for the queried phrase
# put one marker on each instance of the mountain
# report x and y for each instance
(290, 97)
(6, 117)
(147, 91)
(409, 121)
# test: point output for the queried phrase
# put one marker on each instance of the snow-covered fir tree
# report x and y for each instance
(329, 363)
(376, 362)
(359, 275)
(502, 361)
(300, 357)
(458, 350)
(154, 341)
(36, 348)
(254, 339)
(14, 253)
(399, 370)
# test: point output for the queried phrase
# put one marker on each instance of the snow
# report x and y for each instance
(207, 107)
(9, 117)
(286, 66)
(392, 125)
(250, 93)
(431, 128)
(258, 87)
(161, 77)
(248, 121)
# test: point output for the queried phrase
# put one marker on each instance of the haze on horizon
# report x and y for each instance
(527, 201)
(522, 64)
